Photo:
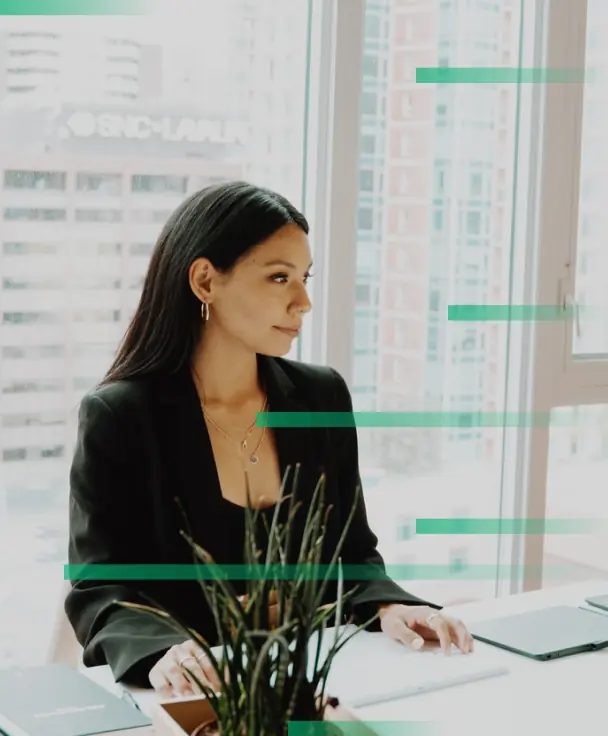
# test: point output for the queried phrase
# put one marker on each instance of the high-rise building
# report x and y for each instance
(59, 65)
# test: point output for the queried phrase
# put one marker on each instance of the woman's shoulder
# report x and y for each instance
(120, 398)
(310, 377)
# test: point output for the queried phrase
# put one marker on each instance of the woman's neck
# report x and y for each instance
(225, 375)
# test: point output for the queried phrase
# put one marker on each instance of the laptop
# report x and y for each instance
(373, 668)
(548, 633)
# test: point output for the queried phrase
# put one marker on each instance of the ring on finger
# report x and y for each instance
(185, 659)
(429, 620)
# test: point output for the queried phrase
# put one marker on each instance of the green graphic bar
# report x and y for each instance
(508, 313)
(361, 728)
(499, 75)
(375, 419)
(509, 526)
(80, 7)
(310, 572)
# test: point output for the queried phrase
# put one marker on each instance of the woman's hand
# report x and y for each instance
(413, 625)
(169, 676)
(273, 608)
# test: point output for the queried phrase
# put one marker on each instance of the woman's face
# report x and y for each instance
(262, 301)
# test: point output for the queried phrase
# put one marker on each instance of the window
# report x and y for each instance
(110, 184)
(406, 529)
(369, 103)
(368, 144)
(98, 215)
(29, 318)
(159, 184)
(366, 180)
(37, 249)
(473, 223)
(141, 249)
(444, 172)
(30, 214)
(34, 180)
(153, 217)
(458, 562)
(366, 218)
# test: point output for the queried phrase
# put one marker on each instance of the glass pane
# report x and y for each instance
(576, 479)
(591, 337)
(442, 223)
(130, 115)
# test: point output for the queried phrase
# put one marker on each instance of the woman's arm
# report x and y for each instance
(361, 543)
(109, 526)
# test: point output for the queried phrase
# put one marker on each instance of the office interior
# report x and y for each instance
(449, 157)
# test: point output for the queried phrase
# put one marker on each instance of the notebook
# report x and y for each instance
(57, 700)
(373, 668)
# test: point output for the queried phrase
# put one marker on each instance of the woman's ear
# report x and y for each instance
(201, 274)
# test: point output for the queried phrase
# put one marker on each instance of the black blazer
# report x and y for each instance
(142, 443)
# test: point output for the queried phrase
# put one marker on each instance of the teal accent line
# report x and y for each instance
(80, 7)
(374, 419)
(499, 75)
(508, 313)
(507, 526)
(309, 572)
(361, 728)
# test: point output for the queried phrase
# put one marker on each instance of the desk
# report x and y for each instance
(555, 697)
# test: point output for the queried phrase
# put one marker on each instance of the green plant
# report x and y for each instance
(266, 673)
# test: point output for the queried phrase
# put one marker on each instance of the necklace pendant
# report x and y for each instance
(254, 459)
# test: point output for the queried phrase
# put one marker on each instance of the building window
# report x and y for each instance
(152, 217)
(100, 183)
(22, 249)
(33, 352)
(406, 529)
(17, 453)
(98, 249)
(54, 180)
(366, 180)
(23, 283)
(32, 420)
(370, 65)
(97, 315)
(474, 223)
(362, 294)
(98, 216)
(30, 318)
(154, 184)
(365, 218)
(368, 144)
(458, 560)
(476, 185)
(31, 214)
(369, 103)
(141, 249)
(41, 386)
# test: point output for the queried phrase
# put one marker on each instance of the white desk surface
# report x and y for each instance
(557, 696)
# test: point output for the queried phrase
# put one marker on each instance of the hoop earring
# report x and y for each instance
(205, 311)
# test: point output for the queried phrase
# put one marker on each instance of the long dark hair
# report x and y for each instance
(222, 222)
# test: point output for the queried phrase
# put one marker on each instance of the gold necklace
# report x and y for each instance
(242, 445)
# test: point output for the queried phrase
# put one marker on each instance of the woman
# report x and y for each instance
(223, 300)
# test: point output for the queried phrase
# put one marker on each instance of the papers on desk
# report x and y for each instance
(372, 668)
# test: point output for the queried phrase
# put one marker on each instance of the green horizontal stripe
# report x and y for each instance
(317, 419)
(508, 313)
(361, 728)
(499, 75)
(310, 572)
(79, 7)
(507, 526)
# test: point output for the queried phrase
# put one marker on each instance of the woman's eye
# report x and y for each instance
(280, 278)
